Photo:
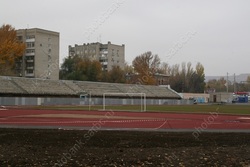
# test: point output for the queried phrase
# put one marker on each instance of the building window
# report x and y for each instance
(30, 65)
(20, 38)
(30, 44)
(30, 71)
(29, 57)
(30, 51)
(30, 37)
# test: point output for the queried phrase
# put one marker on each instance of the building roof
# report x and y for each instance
(38, 30)
(17, 86)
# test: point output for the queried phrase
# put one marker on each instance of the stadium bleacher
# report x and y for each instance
(72, 86)
(43, 87)
(7, 86)
(160, 91)
(97, 88)
(133, 88)
(34, 86)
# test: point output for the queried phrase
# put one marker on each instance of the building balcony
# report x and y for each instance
(104, 52)
(30, 54)
(29, 68)
(30, 40)
(103, 58)
(29, 75)
(30, 61)
(104, 63)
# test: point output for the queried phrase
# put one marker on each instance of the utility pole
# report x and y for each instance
(234, 83)
(227, 82)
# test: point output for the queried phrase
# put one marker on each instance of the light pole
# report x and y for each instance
(227, 82)
(90, 100)
(234, 83)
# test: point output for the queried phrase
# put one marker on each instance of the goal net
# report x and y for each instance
(124, 101)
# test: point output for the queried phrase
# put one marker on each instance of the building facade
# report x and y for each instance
(108, 55)
(41, 57)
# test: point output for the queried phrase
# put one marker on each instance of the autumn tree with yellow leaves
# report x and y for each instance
(146, 66)
(10, 49)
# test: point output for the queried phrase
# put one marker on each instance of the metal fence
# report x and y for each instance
(11, 101)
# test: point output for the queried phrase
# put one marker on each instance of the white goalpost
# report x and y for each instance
(141, 96)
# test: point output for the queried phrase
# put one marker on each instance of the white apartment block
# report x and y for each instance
(41, 57)
(108, 55)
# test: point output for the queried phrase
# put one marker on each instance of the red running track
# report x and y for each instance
(122, 120)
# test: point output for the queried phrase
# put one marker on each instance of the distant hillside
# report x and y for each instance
(239, 78)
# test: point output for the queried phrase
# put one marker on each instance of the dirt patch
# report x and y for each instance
(33, 148)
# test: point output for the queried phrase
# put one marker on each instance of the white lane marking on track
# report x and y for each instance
(161, 125)
(243, 117)
(75, 122)
(3, 108)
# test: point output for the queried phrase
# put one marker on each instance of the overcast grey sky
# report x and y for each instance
(213, 32)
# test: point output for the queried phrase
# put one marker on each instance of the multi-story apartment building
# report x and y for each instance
(41, 57)
(108, 55)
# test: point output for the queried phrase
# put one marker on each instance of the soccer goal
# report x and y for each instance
(131, 100)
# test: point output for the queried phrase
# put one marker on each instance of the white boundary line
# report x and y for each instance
(76, 122)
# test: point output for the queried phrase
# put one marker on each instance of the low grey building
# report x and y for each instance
(220, 97)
